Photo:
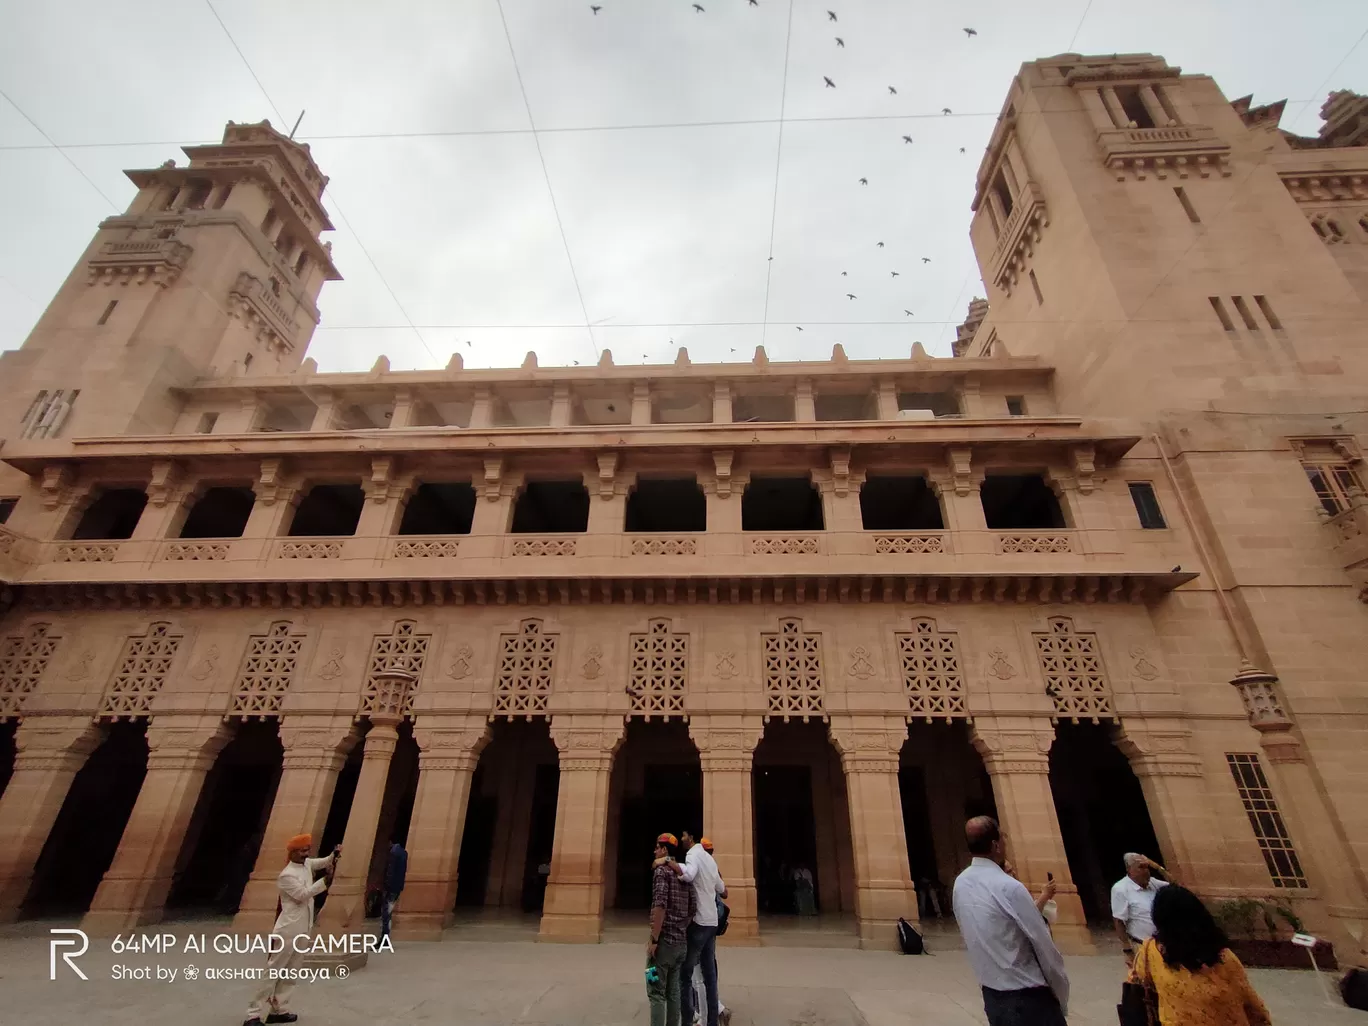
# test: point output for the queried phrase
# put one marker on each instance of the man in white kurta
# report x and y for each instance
(297, 891)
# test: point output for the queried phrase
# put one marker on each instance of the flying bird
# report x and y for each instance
(893, 273)
(908, 312)
(850, 295)
(864, 181)
(829, 83)
(970, 32)
(843, 274)
(698, 8)
(880, 245)
(755, 3)
(731, 350)
(576, 362)
(945, 110)
(892, 91)
(799, 327)
(961, 149)
(831, 15)
(926, 260)
(907, 138)
(595, 8)
(840, 42)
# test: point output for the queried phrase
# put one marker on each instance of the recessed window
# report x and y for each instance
(1137, 114)
(109, 309)
(1035, 287)
(1260, 804)
(270, 222)
(899, 503)
(1187, 206)
(206, 423)
(1019, 502)
(1147, 506)
(1245, 314)
(113, 515)
(762, 409)
(932, 404)
(1003, 193)
(1334, 484)
(219, 513)
(1221, 312)
(552, 507)
(328, 511)
(1267, 308)
(439, 508)
(6, 508)
(667, 504)
(1016, 406)
(301, 263)
(247, 361)
(781, 504)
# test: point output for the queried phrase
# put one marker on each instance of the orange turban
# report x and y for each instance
(667, 839)
(299, 841)
(707, 844)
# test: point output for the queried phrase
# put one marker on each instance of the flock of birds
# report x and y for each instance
(829, 83)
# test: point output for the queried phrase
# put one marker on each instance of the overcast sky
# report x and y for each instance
(447, 220)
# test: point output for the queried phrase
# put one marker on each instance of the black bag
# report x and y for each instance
(1139, 1004)
(1354, 989)
(723, 917)
(909, 939)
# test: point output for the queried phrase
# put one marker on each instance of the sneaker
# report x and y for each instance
(253, 1022)
(281, 1017)
(724, 1016)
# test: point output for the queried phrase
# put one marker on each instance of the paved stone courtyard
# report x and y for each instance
(520, 981)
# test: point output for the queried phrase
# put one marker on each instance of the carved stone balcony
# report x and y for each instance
(1180, 150)
(252, 301)
(1018, 237)
(135, 262)
(1349, 535)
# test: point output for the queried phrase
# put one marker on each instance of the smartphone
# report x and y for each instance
(1049, 877)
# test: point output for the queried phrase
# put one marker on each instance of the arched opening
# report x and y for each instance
(510, 826)
(942, 783)
(657, 785)
(396, 812)
(1101, 809)
(804, 863)
(220, 846)
(83, 840)
(8, 728)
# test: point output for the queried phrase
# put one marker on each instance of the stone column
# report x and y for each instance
(49, 754)
(1017, 757)
(574, 894)
(804, 403)
(181, 751)
(870, 747)
(561, 409)
(1156, 110)
(607, 496)
(276, 499)
(726, 750)
(447, 756)
(345, 910)
(722, 403)
(888, 399)
(641, 402)
(1097, 113)
(1113, 105)
(314, 756)
(957, 487)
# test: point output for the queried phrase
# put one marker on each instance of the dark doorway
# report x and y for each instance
(904, 503)
(785, 836)
(657, 786)
(439, 508)
(221, 844)
(477, 842)
(551, 507)
(7, 752)
(219, 513)
(541, 838)
(113, 515)
(396, 810)
(328, 511)
(781, 504)
(1019, 502)
(83, 840)
(667, 504)
(1102, 812)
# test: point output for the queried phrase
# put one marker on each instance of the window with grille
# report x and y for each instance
(23, 658)
(267, 669)
(526, 670)
(405, 650)
(659, 672)
(1333, 484)
(140, 673)
(1074, 676)
(793, 671)
(1269, 829)
(931, 671)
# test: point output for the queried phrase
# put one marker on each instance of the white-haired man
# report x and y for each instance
(1132, 899)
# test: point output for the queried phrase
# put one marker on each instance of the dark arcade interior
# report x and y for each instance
(781, 504)
(220, 512)
(899, 503)
(551, 507)
(112, 516)
(439, 508)
(328, 511)
(1020, 502)
(666, 504)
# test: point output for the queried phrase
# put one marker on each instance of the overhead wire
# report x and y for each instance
(778, 161)
(50, 144)
(335, 204)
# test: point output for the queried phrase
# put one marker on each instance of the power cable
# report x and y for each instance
(1333, 72)
(778, 159)
(37, 128)
(547, 175)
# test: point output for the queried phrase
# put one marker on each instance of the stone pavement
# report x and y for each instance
(523, 982)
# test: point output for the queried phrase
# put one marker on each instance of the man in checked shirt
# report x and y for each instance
(672, 910)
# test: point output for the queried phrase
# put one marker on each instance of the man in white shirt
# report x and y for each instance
(297, 890)
(700, 871)
(1132, 902)
(1009, 946)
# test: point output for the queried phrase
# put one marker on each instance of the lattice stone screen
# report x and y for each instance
(403, 649)
(140, 673)
(793, 671)
(268, 666)
(931, 671)
(1074, 677)
(659, 671)
(23, 658)
(526, 670)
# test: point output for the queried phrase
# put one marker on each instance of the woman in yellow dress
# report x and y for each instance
(1189, 966)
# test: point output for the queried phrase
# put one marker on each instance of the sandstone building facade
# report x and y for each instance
(1103, 572)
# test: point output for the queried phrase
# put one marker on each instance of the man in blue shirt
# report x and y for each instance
(396, 869)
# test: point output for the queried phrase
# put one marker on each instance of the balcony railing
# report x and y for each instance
(1349, 535)
(1018, 238)
(1181, 150)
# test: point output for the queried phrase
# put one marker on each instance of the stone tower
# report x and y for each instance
(213, 271)
(1151, 238)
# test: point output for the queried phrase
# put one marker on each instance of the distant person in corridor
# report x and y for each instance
(1009, 946)
(396, 872)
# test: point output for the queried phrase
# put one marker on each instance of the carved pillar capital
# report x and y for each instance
(1259, 692)
(1015, 749)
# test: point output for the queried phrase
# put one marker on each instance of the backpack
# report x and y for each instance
(723, 917)
(1354, 989)
(909, 940)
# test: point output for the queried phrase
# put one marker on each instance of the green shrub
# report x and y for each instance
(1253, 918)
